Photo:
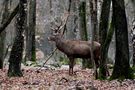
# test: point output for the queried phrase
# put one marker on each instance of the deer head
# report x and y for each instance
(56, 33)
(55, 37)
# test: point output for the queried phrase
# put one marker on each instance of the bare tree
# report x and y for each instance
(5, 14)
(103, 30)
(9, 19)
(133, 32)
(30, 32)
(17, 49)
(121, 68)
(83, 29)
(94, 21)
(94, 31)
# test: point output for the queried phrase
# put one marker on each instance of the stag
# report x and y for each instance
(75, 48)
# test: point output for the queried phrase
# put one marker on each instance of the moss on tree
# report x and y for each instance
(105, 37)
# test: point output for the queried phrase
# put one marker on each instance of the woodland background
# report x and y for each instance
(24, 43)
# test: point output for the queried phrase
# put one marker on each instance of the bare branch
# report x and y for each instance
(62, 24)
(48, 57)
(9, 19)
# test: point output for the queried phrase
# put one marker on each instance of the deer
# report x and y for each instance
(75, 48)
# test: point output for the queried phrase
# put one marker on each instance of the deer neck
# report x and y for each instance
(60, 43)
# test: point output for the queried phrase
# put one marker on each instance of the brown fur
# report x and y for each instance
(76, 49)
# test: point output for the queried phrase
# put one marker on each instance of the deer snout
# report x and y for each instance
(51, 38)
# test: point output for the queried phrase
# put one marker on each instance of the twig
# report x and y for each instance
(52, 53)
(64, 24)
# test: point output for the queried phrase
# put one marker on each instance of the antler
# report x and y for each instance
(57, 26)
(62, 24)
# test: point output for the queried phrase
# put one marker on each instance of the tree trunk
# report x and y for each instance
(94, 21)
(94, 24)
(72, 20)
(108, 39)
(17, 49)
(133, 33)
(30, 32)
(121, 68)
(133, 42)
(9, 19)
(5, 14)
(82, 14)
(83, 31)
(103, 29)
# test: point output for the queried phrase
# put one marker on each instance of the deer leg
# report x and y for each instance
(96, 60)
(71, 65)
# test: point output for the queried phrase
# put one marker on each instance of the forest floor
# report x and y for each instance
(49, 79)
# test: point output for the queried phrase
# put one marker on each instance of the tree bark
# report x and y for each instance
(133, 33)
(30, 32)
(133, 43)
(72, 20)
(83, 30)
(17, 49)
(9, 19)
(5, 14)
(103, 29)
(94, 21)
(94, 24)
(121, 68)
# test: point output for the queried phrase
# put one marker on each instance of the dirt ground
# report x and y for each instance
(47, 79)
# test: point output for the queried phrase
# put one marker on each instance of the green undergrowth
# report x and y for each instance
(129, 75)
(65, 61)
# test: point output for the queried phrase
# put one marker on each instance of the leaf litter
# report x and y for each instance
(59, 79)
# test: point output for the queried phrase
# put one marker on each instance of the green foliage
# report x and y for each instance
(86, 63)
(110, 66)
(64, 61)
(102, 71)
(104, 49)
(133, 71)
(78, 61)
(129, 75)
(33, 58)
